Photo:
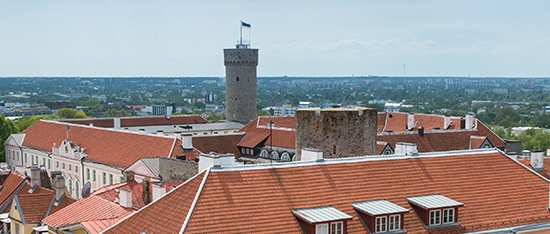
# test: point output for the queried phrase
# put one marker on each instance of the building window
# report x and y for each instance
(71, 187)
(333, 149)
(76, 169)
(18, 156)
(337, 228)
(70, 166)
(49, 164)
(26, 160)
(435, 217)
(88, 174)
(449, 215)
(111, 179)
(94, 175)
(321, 229)
(57, 165)
(395, 222)
(76, 190)
(381, 224)
(104, 178)
(63, 165)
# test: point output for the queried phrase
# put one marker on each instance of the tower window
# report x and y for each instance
(237, 78)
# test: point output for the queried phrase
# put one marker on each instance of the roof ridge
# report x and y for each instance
(365, 158)
(105, 129)
(158, 199)
(195, 200)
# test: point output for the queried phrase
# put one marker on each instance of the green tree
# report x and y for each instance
(112, 112)
(535, 139)
(66, 113)
(27, 121)
(7, 127)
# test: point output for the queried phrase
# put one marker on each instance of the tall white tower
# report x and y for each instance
(240, 82)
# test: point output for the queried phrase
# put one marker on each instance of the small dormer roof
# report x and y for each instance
(320, 214)
(378, 207)
(433, 201)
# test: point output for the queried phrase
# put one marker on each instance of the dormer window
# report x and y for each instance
(322, 220)
(436, 210)
(381, 216)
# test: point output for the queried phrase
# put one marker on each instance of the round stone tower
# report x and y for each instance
(240, 83)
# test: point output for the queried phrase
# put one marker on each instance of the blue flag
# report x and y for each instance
(68, 127)
(245, 24)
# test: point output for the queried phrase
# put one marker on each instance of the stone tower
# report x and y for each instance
(338, 132)
(240, 83)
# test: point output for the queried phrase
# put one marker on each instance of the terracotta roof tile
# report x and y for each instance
(218, 143)
(476, 141)
(481, 180)
(11, 183)
(140, 121)
(546, 164)
(172, 209)
(109, 193)
(105, 146)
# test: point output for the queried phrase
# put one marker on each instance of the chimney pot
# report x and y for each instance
(129, 175)
(59, 187)
(35, 177)
(125, 198)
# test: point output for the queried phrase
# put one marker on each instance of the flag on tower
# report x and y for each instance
(245, 24)
(68, 127)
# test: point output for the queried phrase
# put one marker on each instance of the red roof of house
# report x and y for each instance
(11, 182)
(34, 207)
(220, 144)
(164, 215)
(487, 182)
(546, 164)
(106, 146)
(110, 193)
(140, 121)
(391, 129)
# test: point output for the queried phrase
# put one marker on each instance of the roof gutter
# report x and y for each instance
(516, 229)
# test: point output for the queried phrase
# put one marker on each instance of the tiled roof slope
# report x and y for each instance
(11, 183)
(105, 146)
(546, 164)
(491, 186)
(140, 121)
(164, 215)
(90, 208)
(35, 207)
(110, 193)
(221, 144)
(257, 131)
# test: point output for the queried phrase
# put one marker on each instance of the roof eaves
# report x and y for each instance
(190, 212)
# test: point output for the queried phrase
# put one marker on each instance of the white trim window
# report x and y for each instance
(381, 224)
(435, 217)
(321, 228)
(337, 228)
(395, 222)
(449, 215)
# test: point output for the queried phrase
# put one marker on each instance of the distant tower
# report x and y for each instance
(240, 82)
(338, 132)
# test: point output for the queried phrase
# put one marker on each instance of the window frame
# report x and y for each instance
(435, 218)
(381, 226)
(318, 229)
(394, 222)
(450, 214)
(95, 176)
(337, 228)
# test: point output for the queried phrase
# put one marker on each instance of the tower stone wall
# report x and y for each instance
(240, 84)
(338, 132)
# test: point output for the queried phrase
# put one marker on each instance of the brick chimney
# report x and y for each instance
(35, 177)
(146, 193)
(59, 187)
(129, 175)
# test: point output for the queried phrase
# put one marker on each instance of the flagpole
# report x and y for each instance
(241, 32)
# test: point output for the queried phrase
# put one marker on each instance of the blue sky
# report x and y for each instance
(295, 38)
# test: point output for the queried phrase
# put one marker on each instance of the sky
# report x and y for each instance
(307, 38)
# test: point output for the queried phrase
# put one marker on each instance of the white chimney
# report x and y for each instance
(215, 160)
(469, 121)
(309, 154)
(158, 191)
(35, 177)
(537, 160)
(59, 187)
(446, 122)
(187, 141)
(410, 121)
(125, 198)
(403, 148)
(116, 123)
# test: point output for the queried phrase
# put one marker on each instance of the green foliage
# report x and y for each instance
(215, 117)
(116, 113)
(535, 139)
(68, 113)
(262, 113)
(7, 127)
(27, 121)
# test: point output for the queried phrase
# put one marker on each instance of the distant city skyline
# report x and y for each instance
(296, 38)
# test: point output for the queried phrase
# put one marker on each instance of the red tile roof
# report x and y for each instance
(106, 146)
(257, 132)
(546, 164)
(36, 207)
(12, 182)
(221, 144)
(140, 121)
(266, 194)
(91, 208)
(164, 215)
(476, 141)
(110, 193)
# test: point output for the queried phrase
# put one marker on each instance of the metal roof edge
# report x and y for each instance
(515, 229)
(355, 159)
(195, 200)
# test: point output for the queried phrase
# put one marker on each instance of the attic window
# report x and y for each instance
(381, 216)
(436, 210)
(323, 219)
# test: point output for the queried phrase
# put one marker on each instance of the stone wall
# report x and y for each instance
(240, 84)
(338, 132)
